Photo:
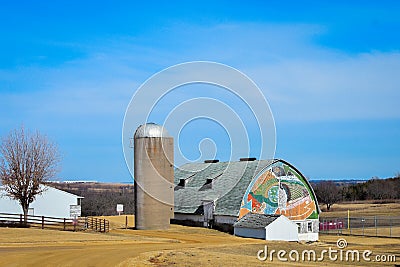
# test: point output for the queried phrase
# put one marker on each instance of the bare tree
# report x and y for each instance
(27, 160)
(380, 189)
(327, 193)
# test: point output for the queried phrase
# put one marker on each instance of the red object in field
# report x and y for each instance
(331, 225)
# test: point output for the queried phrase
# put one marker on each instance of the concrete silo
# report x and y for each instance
(154, 177)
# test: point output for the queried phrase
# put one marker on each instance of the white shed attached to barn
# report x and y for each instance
(282, 229)
(269, 227)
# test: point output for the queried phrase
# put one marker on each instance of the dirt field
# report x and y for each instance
(182, 246)
(178, 246)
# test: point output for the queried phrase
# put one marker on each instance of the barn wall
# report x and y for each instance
(220, 222)
(188, 219)
(250, 232)
(224, 223)
(186, 216)
(224, 219)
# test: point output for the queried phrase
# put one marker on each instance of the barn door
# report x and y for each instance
(208, 213)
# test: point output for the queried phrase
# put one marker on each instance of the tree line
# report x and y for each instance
(101, 199)
(331, 192)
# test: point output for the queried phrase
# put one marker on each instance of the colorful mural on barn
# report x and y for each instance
(280, 190)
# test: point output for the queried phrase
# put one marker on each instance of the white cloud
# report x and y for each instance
(364, 86)
(301, 80)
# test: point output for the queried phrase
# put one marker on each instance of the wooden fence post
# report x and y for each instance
(20, 219)
(64, 224)
(97, 224)
(42, 222)
(126, 222)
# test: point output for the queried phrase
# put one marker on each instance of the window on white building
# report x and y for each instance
(309, 226)
(298, 227)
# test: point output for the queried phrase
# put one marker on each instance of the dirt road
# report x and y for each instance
(178, 246)
(35, 247)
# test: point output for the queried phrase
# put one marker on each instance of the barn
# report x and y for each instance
(51, 203)
(218, 194)
(270, 227)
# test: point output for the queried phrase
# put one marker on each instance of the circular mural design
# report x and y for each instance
(280, 189)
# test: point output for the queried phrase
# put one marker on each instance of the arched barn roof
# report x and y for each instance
(259, 186)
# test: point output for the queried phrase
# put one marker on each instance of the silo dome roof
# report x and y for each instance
(151, 130)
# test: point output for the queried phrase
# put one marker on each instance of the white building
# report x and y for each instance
(51, 203)
(268, 227)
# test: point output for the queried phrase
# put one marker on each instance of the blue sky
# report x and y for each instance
(330, 72)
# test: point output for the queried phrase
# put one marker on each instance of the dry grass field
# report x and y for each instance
(120, 222)
(361, 209)
(178, 246)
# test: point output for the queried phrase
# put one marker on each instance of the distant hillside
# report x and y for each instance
(101, 198)
(80, 188)
(342, 181)
(352, 190)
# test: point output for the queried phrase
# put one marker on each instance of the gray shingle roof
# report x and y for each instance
(255, 220)
(223, 182)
